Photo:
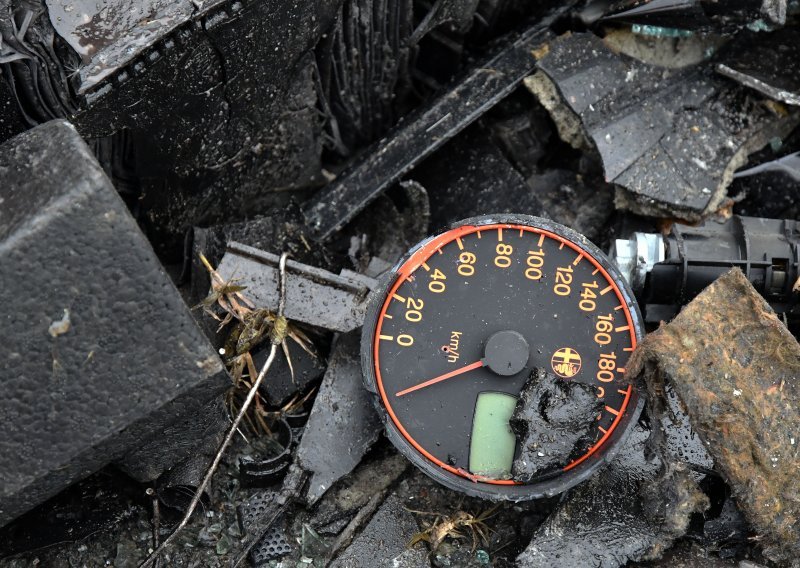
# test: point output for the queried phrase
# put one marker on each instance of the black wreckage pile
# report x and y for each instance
(199, 198)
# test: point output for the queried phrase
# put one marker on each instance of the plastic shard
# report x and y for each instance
(669, 139)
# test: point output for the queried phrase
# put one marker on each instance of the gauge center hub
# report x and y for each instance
(506, 353)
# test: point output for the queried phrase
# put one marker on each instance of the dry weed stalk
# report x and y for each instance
(277, 337)
(453, 526)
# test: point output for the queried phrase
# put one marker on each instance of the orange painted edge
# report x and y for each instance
(413, 263)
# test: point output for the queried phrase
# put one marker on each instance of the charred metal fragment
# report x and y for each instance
(734, 366)
(553, 424)
(307, 288)
(423, 132)
(769, 64)
(268, 508)
(276, 543)
(669, 138)
(342, 420)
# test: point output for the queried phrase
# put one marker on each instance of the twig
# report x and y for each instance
(278, 334)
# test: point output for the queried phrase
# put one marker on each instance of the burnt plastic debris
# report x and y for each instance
(178, 454)
(359, 95)
(604, 522)
(263, 510)
(423, 132)
(103, 499)
(553, 424)
(342, 420)
(307, 287)
(267, 468)
(769, 64)
(277, 542)
(471, 176)
(667, 271)
(36, 65)
(670, 139)
(384, 541)
(734, 365)
(285, 382)
(104, 352)
(170, 86)
(721, 15)
(180, 77)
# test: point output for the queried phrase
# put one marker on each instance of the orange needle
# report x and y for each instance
(440, 378)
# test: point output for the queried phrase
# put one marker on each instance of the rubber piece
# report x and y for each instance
(98, 349)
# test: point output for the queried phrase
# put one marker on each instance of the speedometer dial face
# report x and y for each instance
(456, 332)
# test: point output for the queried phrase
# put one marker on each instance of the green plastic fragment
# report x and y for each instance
(658, 31)
(759, 26)
(492, 445)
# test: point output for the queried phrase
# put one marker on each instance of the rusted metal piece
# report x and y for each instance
(735, 368)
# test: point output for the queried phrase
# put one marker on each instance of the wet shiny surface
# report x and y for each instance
(107, 34)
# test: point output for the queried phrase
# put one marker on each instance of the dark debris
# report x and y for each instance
(730, 386)
(343, 133)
